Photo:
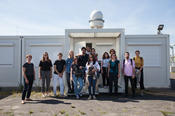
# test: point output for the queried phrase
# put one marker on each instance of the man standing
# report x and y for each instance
(139, 62)
(128, 72)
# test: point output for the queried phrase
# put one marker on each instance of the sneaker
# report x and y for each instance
(62, 95)
(80, 94)
(89, 97)
(77, 97)
(22, 102)
(55, 95)
(43, 95)
(94, 97)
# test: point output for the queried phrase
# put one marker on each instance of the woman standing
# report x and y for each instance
(29, 77)
(104, 68)
(114, 73)
(59, 68)
(77, 77)
(69, 61)
(45, 73)
(92, 67)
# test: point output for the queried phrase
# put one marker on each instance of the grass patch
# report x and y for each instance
(67, 114)
(31, 112)
(73, 107)
(62, 111)
(165, 113)
(9, 113)
(82, 113)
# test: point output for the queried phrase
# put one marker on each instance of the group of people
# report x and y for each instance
(82, 69)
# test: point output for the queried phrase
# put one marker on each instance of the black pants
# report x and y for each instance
(113, 80)
(126, 78)
(27, 87)
(141, 81)
(105, 76)
(69, 83)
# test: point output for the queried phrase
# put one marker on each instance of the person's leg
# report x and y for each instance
(142, 81)
(132, 81)
(47, 81)
(30, 86)
(94, 85)
(55, 79)
(126, 85)
(103, 76)
(110, 83)
(61, 85)
(68, 81)
(43, 78)
(116, 84)
(24, 90)
(90, 84)
(75, 84)
(80, 80)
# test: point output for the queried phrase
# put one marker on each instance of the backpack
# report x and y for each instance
(124, 62)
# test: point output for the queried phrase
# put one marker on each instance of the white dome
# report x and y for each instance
(96, 19)
(96, 15)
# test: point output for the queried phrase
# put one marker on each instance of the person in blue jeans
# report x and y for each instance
(69, 61)
(77, 77)
(92, 67)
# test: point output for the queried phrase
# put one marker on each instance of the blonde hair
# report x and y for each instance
(28, 55)
(71, 51)
(43, 58)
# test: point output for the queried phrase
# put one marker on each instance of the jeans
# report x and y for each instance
(126, 78)
(77, 81)
(69, 82)
(113, 79)
(45, 75)
(92, 83)
(141, 80)
(27, 87)
(105, 76)
(55, 79)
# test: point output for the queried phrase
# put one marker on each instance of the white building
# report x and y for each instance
(154, 49)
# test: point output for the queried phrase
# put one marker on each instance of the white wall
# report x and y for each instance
(10, 61)
(37, 45)
(155, 51)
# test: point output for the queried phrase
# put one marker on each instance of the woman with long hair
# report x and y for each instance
(104, 69)
(45, 73)
(92, 67)
(69, 61)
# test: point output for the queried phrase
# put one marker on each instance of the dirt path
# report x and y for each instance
(154, 103)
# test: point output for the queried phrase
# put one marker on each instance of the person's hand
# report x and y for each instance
(93, 70)
(133, 76)
(27, 81)
(71, 78)
(118, 75)
(101, 70)
(50, 75)
(40, 77)
(81, 67)
(61, 75)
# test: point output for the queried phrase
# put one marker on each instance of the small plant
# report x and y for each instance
(82, 113)
(165, 113)
(62, 112)
(73, 107)
(31, 112)
(67, 114)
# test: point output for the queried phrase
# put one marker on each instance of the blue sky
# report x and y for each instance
(47, 17)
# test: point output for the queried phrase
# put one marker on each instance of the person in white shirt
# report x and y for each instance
(92, 67)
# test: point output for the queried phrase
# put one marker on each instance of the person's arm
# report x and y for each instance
(55, 69)
(39, 73)
(34, 72)
(24, 75)
(133, 67)
(71, 78)
(118, 70)
(50, 72)
(108, 69)
(142, 64)
(101, 66)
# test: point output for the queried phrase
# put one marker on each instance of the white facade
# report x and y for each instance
(153, 48)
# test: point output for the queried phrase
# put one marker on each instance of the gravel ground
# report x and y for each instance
(156, 102)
